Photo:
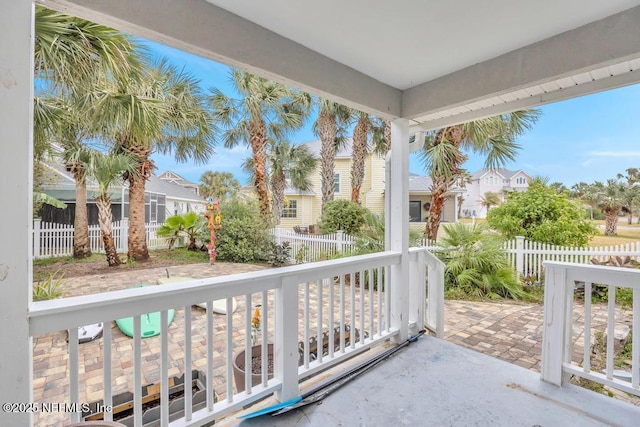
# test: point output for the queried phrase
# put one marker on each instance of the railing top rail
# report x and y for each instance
(65, 313)
(619, 276)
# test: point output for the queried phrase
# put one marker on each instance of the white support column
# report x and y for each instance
(398, 215)
(16, 157)
(286, 348)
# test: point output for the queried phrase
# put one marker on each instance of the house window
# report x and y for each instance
(415, 211)
(521, 180)
(290, 209)
(336, 183)
(491, 180)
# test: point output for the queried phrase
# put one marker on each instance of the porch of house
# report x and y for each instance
(435, 383)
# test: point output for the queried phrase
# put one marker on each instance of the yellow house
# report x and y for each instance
(304, 208)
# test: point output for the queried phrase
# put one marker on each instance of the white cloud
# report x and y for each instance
(614, 153)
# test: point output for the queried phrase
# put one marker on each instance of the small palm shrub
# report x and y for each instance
(371, 236)
(279, 254)
(476, 263)
(49, 288)
(244, 236)
(189, 225)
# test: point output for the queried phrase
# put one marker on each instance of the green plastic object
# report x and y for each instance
(150, 323)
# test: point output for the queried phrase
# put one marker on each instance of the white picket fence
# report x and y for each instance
(312, 247)
(56, 240)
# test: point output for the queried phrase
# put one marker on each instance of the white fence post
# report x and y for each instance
(277, 235)
(286, 340)
(124, 236)
(520, 255)
(339, 240)
(435, 293)
(37, 224)
(417, 291)
(557, 324)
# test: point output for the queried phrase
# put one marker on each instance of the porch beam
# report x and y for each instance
(204, 29)
(398, 225)
(16, 154)
(608, 41)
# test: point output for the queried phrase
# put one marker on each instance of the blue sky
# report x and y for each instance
(587, 139)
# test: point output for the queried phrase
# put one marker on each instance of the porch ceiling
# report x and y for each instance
(436, 63)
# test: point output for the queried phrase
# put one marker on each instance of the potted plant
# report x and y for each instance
(239, 361)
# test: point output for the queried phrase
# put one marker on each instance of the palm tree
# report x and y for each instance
(631, 191)
(160, 111)
(464, 178)
(292, 162)
(106, 169)
(489, 199)
(366, 125)
(329, 126)
(266, 110)
(610, 199)
(219, 185)
(443, 153)
(190, 225)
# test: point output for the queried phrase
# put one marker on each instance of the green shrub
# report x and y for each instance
(244, 236)
(542, 215)
(49, 288)
(371, 236)
(190, 225)
(279, 254)
(342, 215)
(476, 263)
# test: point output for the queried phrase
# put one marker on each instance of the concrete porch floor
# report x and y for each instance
(436, 383)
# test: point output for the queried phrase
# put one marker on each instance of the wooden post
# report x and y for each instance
(16, 163)
(286, 348)
(398, 215)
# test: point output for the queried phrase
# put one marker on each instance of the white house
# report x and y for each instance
(174, 178)
(498, 181)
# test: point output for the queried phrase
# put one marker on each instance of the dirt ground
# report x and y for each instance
(68, 267)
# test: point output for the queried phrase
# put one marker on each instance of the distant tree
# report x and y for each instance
(219, 185)
(610, 199)
(631, 194)
(464, 179)
(489, 199)
(366, 125)
(542, 215)
(559, 187)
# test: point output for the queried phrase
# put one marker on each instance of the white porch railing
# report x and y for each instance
(298, 303)
(559, 329)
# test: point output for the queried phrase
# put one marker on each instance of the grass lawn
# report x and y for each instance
(626, 234)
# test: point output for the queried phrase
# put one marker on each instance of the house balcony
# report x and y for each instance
(431, 382)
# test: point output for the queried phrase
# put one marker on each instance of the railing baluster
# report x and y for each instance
(363, 281)
(635, 344)
(320, 339)
(371, 285)
(265, 325)
(188, 373)
(209, 339)
(331, 317)
(248, 383)
(352, 285)
(342, 313)
(74, 372)
(306, 325)
(379, 292)
(137, 371)
(229, 318)
(587, 327)
(106, 366)
(387, 300)
(611, 320)
(164, 368)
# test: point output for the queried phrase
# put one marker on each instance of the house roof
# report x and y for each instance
(344, 152)
(59, 182)
(505, 173)
(532, 53)
(422, 184)
(171, 176)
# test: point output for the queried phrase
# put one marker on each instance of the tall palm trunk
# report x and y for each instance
(611, 222)
(359, 156)
(278, 185)
(81, 245)
(105, 219)
(138, 250)
(258, 139)
(453, 135)
(328, 130)
(387, 133)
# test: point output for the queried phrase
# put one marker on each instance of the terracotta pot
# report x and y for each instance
(238, 373)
